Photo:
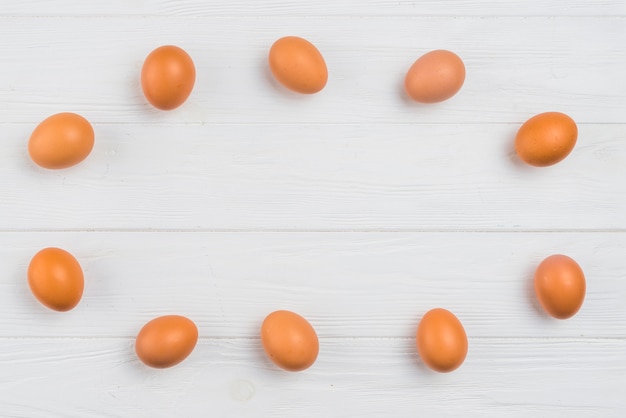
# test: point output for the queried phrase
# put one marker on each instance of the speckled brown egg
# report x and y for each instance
(435, 76)
(61, 141)
(298, 65)
(560, 286)
(289, 340)
(546, 139)
(166, 341)
(56, 279)
(167, 77)
(441, 340)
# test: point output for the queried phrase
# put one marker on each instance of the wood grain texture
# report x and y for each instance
(516, 67)
(352, 378)
(309, 177)
(346, 284)
(315, 8)
(354, 207)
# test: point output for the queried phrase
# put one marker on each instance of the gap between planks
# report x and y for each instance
(300, 124)
(330, 339)
(315, 231)
(308, 16)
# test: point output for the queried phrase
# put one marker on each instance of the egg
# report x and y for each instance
(167, 77)
(546, 139)
(61, 140)
(560, 286)
(56, 279)
(434, 77)
(298, 65)
(289, 340)
(441, 340)
(166, 341)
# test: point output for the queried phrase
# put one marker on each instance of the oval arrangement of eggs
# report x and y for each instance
(166, 341)
(560, 286)
(298, 65)
(56, 279)
(167, 77)
(289, 340)
(441, 340)
(61, 141)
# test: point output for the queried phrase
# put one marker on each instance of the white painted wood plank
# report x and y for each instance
(330, 177)
(516, 67)
(364, 378)
(346, 284)
(313, 8)
(244, 155)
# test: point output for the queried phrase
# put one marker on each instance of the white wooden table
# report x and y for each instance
(353, 207)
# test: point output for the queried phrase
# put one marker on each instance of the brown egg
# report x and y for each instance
(435, 77)
(560, 286)
(289, 340)
(56, 279)
(298, 65)
(546, 139)
(167, 77)
(61, 141)
(441, 340)
(166, 341)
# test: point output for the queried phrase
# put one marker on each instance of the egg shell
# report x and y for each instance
(441, 340)
(61, 141)
(167, 77)
(435, 76)
(560, 286)
(56, 279)
(289, 340)
(546, 138)
(166, 341)
(298, 65)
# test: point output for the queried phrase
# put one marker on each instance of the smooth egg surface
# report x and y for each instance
(560, 286)
(298, 65)
(441, 340)
(167, 77)
(56, 279)
(289, 340)
(546, 138)
(166, 341)
(435, 76)
(61, 140)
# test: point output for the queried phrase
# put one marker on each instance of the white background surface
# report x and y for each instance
(354, 207)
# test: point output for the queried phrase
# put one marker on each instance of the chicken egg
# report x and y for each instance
(560, 286)
(167, 77)
(166, 341)
(298, 65)
(56, 279)
(61, 140)
(289, 340)
(434, 77)
(441, 340)
(546, 139)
